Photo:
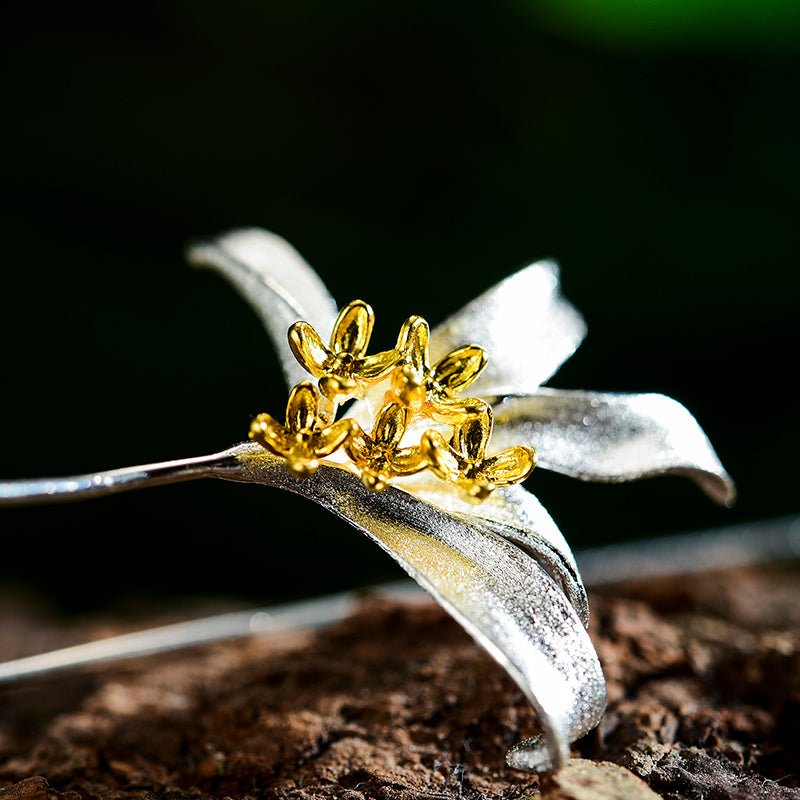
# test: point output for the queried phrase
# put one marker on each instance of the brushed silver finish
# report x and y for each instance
(516, 515)
(492, 586)
(277, 283)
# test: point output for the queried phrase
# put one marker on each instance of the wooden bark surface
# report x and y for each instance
(398, 703)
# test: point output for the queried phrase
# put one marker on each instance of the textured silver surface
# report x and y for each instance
(612, 437)
(277, 282)
(514, 514)
(525, 326)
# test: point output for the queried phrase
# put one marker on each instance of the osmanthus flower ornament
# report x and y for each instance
(465, 464)
(305, 438)
(428, 457)
(344, 370)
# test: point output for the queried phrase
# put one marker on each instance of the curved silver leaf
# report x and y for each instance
(525, 326)
(492, 587)
(612, 437)
(273, 277)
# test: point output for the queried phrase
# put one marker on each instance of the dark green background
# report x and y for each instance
(415, 154)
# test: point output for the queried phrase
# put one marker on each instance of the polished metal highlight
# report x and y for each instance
(502, 569)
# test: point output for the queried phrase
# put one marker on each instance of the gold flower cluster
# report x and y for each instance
(411, 390)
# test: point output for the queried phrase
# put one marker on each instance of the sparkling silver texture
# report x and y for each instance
(612, 437)
(502, 569)
(524, 324)
(516, 515)
(494, 588)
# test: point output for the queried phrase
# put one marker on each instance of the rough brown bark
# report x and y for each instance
(397, 702)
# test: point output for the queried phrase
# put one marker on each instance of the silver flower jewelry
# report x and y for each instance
(427, 460)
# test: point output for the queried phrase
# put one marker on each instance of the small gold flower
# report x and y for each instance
(378, 455)
(431, 390)
(302, 441)
(343, 369)
(464, 463)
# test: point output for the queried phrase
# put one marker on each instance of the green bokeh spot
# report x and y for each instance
(674, 22)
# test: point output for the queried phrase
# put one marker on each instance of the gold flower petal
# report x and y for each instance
(452, 410)
(338, 388)
(333, 437)
(301, 409)
(471, 437)
(353, 329)
(308, 348)
(377, 366)
(390, 426)
(302, 461)
(409, 460)
(509, 466)
(412, 343)
(441, 457)
(269, 433)
(358, 445)
(460, 367)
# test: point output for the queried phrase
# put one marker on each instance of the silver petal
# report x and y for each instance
(515, 514)
(523, 323)
(612, 437)
(491, 586)
(273, 277)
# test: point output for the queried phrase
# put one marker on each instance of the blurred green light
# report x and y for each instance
(674, 22)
